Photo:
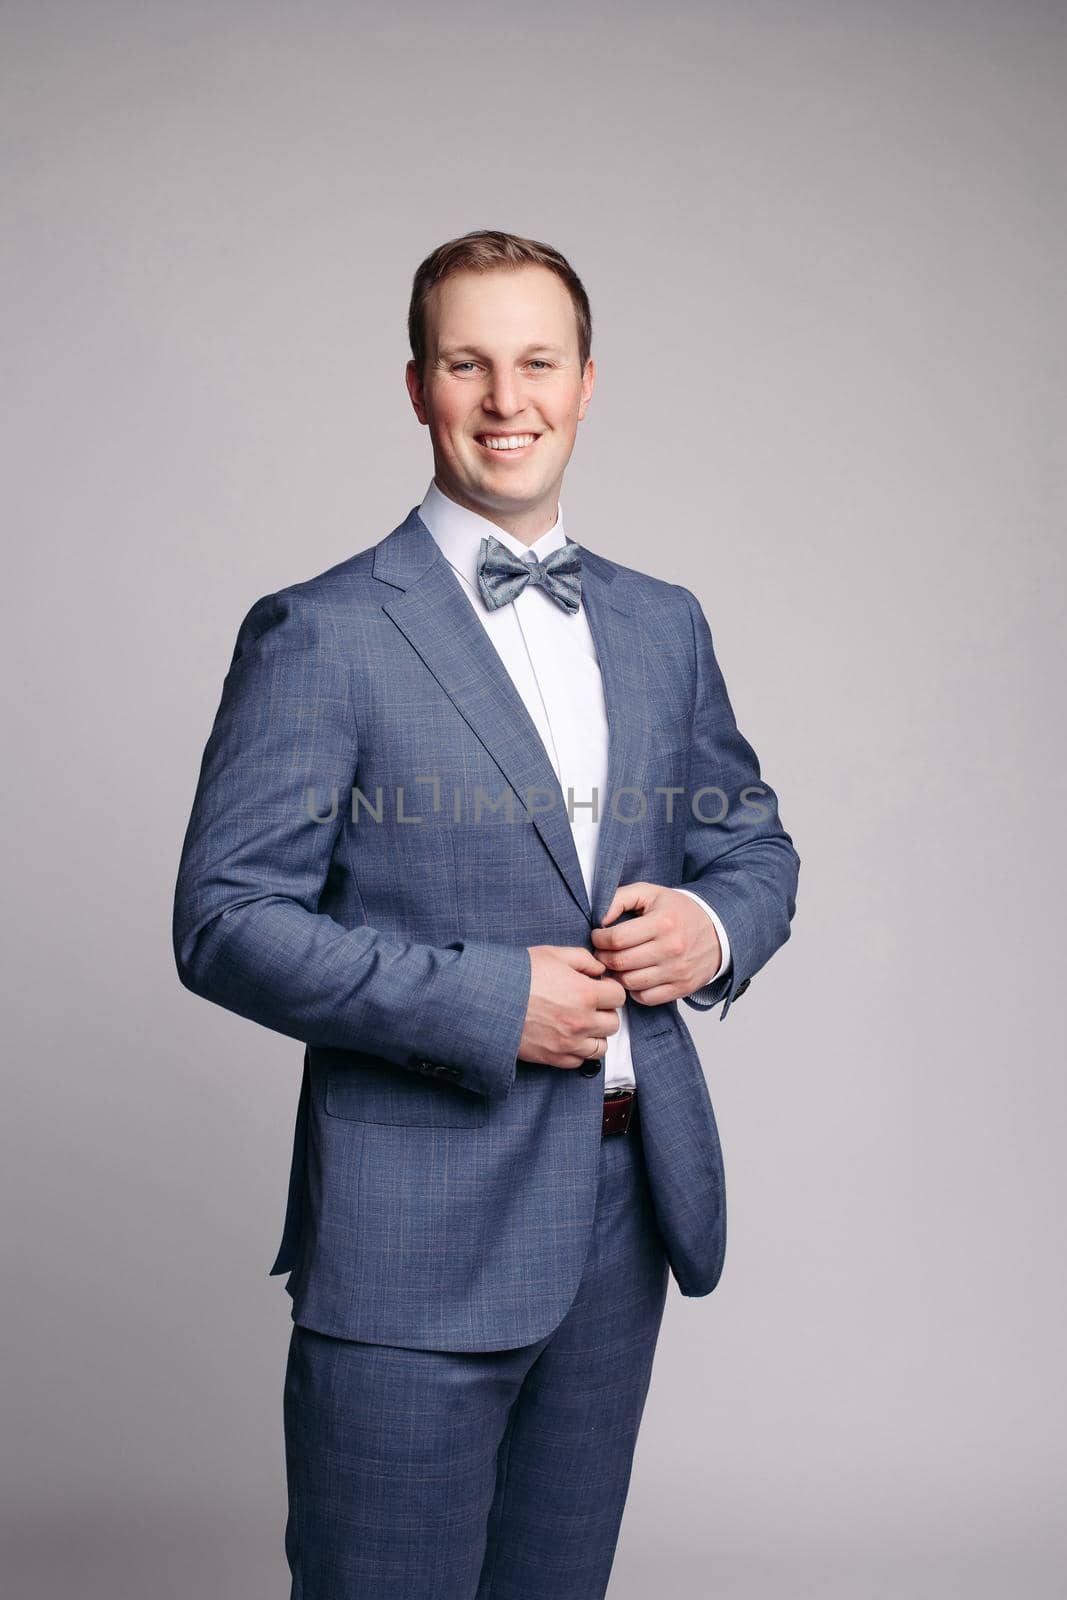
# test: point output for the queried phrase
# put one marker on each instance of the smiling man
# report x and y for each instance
(502, 387)
(474, 815)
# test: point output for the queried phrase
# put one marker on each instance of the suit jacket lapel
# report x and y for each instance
(620, 650)
(436, 618)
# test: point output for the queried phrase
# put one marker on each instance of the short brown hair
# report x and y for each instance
(487, 250)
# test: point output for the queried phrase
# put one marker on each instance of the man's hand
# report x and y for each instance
(572, 1007)
(668, 950)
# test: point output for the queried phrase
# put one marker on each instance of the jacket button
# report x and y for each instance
(741, 987)
(449, 1072)
(427, 1066)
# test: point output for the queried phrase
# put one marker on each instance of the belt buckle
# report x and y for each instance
(620, 1117)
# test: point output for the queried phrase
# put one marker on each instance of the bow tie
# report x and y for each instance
(502, 576)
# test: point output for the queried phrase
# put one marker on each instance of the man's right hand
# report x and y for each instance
(572, 1008)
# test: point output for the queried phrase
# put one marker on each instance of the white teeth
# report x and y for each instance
(514, 441)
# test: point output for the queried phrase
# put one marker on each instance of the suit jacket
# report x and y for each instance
(442, 1190)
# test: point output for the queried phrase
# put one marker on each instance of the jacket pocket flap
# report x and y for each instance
(365, 1088)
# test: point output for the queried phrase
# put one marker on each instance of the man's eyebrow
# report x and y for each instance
(470, 349)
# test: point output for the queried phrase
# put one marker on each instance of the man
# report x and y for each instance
(474, 814)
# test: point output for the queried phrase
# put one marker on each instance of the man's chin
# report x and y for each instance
(490, 493)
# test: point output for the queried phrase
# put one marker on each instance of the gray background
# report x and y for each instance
(821, 242)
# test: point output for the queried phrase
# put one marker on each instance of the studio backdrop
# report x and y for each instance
(823, 246)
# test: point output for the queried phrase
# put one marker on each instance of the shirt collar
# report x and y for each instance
(459, 532)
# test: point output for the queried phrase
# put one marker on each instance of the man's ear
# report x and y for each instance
(414, 388)
(588, 379)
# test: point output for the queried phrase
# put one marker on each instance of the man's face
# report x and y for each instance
(502, 362)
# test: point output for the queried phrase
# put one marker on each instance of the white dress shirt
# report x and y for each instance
(551, 658)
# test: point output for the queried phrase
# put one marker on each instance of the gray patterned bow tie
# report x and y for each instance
(501, 575)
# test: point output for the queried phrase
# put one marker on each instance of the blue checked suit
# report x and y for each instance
(442, 1191)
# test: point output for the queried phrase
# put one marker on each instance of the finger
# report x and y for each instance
(580, 959)
(610, 995)
(657, 995)
(627, 897)
(637, 931)
(648, 954)
(592, 1048)
(644, 977)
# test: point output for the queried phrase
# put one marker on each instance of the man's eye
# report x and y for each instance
(461, 366)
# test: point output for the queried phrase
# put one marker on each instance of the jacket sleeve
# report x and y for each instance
(738, 857)
(247, 932)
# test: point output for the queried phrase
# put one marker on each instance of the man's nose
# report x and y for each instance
(504, 393)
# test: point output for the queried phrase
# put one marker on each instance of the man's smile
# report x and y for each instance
(510, 444)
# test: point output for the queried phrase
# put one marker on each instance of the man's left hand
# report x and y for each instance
(668, 950)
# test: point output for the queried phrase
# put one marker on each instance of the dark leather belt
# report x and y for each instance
(620, 1109)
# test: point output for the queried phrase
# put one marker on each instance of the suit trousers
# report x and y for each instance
(458, 1475)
